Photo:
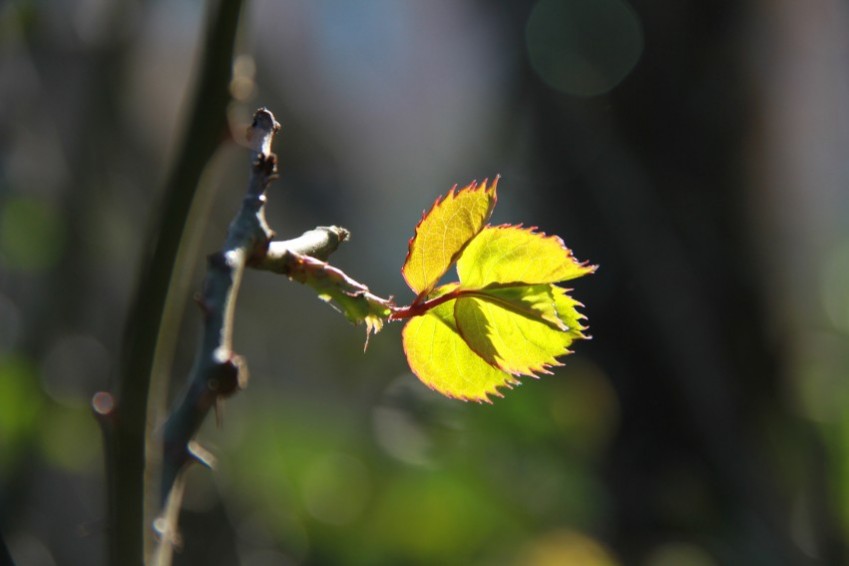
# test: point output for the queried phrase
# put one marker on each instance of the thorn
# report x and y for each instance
(167, 532)
(229, 377)
(201, 455)
(243, 375)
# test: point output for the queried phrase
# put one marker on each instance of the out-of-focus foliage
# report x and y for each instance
(695, 150)
(30, 235)
(440, 487)
(20, 408)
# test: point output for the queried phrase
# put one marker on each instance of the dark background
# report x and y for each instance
(696, 151)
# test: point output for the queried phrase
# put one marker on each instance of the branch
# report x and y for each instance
(350, 297)
(127, 418)
(318, 243)
(218, 372)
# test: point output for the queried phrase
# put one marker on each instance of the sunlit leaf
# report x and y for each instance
(505, 316)
(567, 311)
(444, 231)
(516, 342)
(534, 301)
(443, 361)
(512, 254)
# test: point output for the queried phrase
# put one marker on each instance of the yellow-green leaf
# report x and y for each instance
(567, 312)
(444, 232)
(443, 361)
(533, 301)
(514, 343)
(500, 328)
(513, 255)
(505, 316)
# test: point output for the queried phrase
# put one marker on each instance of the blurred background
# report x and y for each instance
(695, 150)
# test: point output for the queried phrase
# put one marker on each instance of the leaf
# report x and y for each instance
(505, 316)
(443, 361)
(512, 254)
(518, 342)
(333, 286)
(444, 231)
(535, 301)
(567, 312)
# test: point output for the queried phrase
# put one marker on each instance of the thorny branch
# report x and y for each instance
(124, 413)
(218, 372)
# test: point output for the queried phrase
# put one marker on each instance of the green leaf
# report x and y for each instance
(518, 342)
(567, 312)
(443, 361)
(505, 317)
(444, 231)
(333, 286)
(512, 254)
(534, 301)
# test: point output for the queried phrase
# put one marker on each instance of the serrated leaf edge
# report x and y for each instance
(578, 332)
(451, 194)
(534, 230)
(532, 371)
(510, 380)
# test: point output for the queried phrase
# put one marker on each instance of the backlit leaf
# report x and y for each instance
(444, 231)
(511, 342)
(533, 301)
(512, 254)
(567, 312)
(518, 343)
(505, 316)
(443, 361)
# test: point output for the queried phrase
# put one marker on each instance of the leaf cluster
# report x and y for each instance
(505, 317)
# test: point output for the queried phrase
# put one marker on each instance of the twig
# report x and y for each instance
(218, 372)
(166, 524)
(334, 286)
(127, 419)
(318, 243)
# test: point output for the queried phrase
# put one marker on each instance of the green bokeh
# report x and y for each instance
(21, 405)
(30, 234)
(70, 438)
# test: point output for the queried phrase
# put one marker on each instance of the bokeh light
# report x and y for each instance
(73, 367)
(583, 47)
(565, 547)
(336, 488)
